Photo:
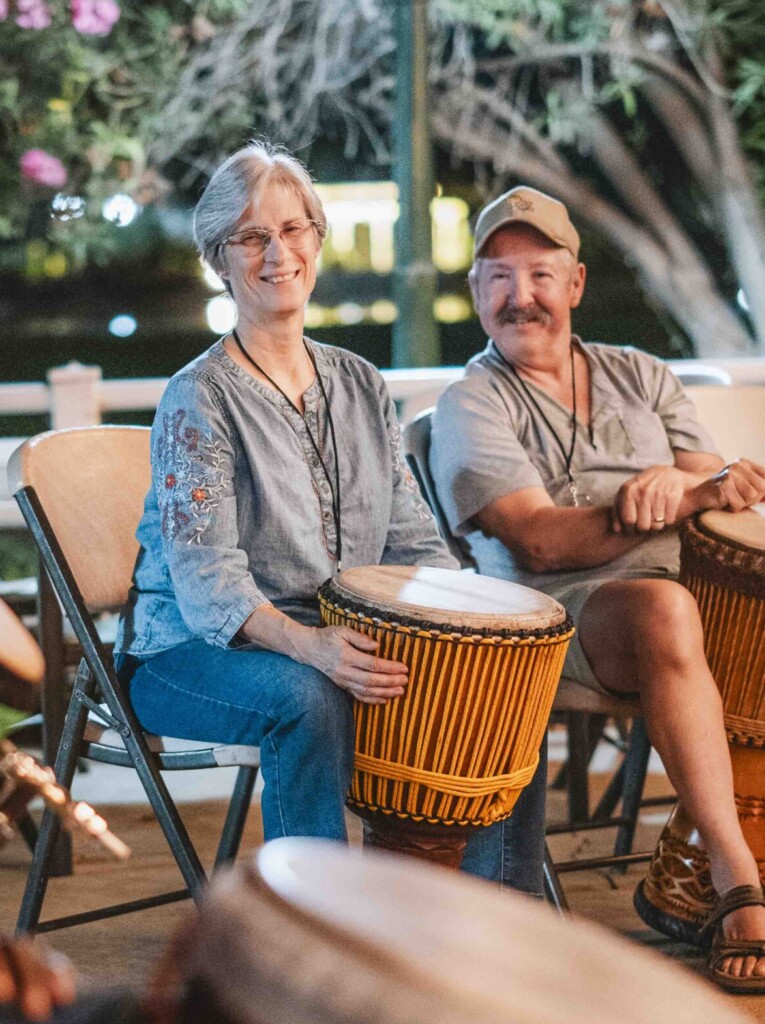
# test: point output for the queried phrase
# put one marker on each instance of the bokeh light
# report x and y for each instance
(212, 279)
(120, 209)
(349, 313)
(452, 309)
(122, 325)
(383, 311)
(64, 207)
(315, 315)
(221, 314)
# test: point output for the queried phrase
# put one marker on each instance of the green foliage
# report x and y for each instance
(97, 102)
(18, 557)
(740, 30)
(92, 102)
(10, 717)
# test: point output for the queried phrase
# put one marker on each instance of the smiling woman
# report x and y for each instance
(274, 458)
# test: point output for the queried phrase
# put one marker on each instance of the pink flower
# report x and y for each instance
(95, 17)
(3, 10)
(42, 168)
(32, 14)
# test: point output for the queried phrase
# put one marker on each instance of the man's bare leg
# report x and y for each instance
(646, 636)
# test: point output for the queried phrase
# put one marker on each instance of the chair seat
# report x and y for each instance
(224, 755)
(574, 696)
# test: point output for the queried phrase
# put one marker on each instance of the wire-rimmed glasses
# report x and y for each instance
(295, 235)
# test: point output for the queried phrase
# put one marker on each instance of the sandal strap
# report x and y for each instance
(734, 899)
(736, 947)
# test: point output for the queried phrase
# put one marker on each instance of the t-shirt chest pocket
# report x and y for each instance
(637, 433)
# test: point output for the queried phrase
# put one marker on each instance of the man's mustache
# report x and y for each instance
(509, 314)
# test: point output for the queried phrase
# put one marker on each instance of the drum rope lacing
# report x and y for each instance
(454, 785)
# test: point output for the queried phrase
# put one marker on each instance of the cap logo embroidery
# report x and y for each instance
(518, 204)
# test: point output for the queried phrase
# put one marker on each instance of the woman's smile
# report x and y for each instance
(280, 278)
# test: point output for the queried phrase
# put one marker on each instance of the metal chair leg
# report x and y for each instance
(54, 697)
(577, 725)
(236, 816)
(43, 858)
(554, 893)
(612, 795)
(635, 768)
(28, 830)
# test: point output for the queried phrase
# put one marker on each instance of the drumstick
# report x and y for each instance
(28, 778)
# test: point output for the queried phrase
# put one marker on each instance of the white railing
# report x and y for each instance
(77, 395)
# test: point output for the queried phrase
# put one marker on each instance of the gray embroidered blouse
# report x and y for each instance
(240, 510)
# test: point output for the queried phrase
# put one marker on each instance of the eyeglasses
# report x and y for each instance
(256, 240)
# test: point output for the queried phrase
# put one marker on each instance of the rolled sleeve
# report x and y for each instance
(475, 454)
(677, 411)
(193, 464)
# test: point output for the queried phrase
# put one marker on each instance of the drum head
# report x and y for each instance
(447, 597)
(747, 527)
(332, 935)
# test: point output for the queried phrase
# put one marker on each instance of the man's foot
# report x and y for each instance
(737, 958)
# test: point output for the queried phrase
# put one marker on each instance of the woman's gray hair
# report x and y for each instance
(230, 190)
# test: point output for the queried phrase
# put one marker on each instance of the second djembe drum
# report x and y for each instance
(722, 563)
(456, 750)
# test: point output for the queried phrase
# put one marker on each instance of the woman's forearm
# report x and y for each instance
(272, 629)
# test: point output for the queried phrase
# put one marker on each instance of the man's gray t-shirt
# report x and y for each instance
(489, 439)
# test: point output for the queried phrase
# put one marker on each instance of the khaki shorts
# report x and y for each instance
(573, 598)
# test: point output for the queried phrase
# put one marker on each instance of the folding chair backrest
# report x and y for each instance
(416, 438)
(735, 417)
(90, 483)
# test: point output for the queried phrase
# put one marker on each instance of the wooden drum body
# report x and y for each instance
(456, 750)
(723, 565)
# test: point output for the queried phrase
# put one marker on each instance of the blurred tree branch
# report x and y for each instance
(628, 110)
(552, 93)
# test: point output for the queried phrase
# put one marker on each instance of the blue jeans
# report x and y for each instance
(303, 724)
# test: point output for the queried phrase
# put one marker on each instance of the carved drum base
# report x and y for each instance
(442, 845)
(676, 896)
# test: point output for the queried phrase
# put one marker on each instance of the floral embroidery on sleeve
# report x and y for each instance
(401, 469)
(193, 483)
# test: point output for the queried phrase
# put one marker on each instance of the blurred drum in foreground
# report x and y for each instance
(315, 932)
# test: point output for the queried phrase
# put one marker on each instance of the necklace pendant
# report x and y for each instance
(580, 501)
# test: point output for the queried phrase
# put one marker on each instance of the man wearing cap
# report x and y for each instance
(566, 467)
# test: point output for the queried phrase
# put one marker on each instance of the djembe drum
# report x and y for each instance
(722, 563)
(310, 931)
(458, 747)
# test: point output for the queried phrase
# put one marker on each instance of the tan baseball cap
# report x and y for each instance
(528, 206)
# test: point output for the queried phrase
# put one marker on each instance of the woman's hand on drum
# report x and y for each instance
(650, 500)
(739, 485)
(349, 659)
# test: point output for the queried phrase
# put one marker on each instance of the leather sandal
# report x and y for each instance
(722, 948)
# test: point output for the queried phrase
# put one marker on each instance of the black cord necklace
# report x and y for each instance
(334, 491)
(567, 455)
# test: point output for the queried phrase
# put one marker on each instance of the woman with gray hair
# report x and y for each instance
(275, 461)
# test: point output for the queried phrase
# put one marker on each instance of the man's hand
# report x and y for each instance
(650, 500)
(738, 486)
(34, 978)
(348, 658)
